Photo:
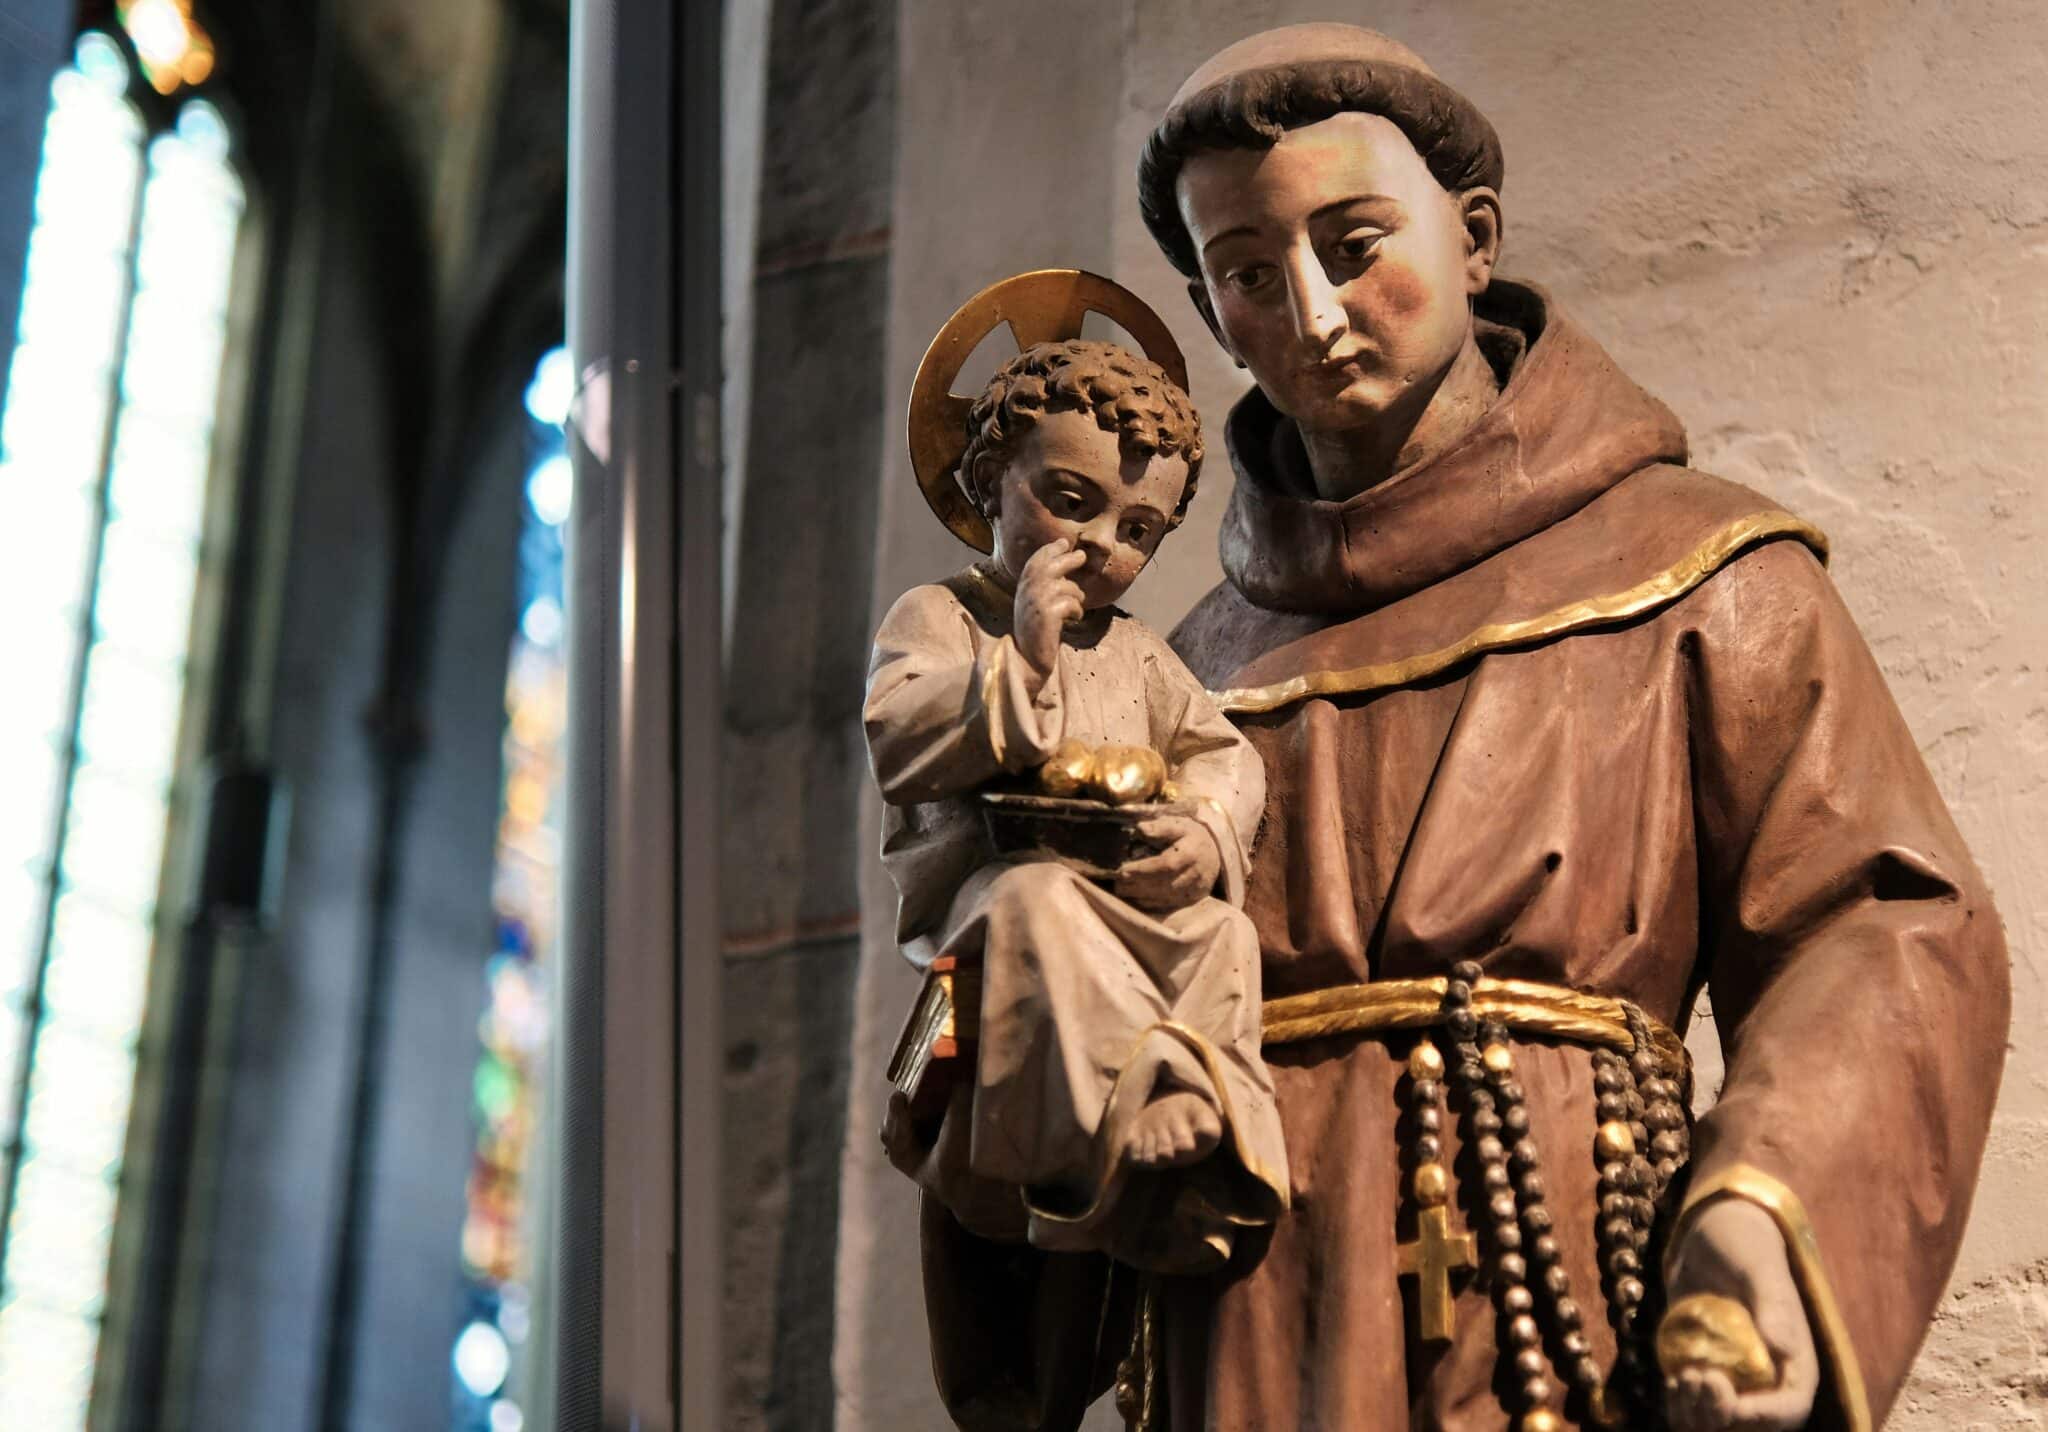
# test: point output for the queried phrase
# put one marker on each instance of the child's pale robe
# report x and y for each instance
(1090, 1006)
(1588, 717)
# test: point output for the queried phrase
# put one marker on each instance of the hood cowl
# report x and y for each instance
(1568, 425)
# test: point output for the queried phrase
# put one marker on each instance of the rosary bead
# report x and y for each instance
(1485, 1123)
(1425, 1091)
(1664, 1118)
(1429, 1118)
(1645, 1212)
(1586, 1372)
(1515, 1120)
(1624, 1261)
(1568, 1315)
(1480, 1098)
(1639, 1132)
(1465, 971)
(1502, 1207)
(1489, 1150)
(1508, 1236)
(1574, 1344)
(1611, 1108)
(1529, 1363)
(1643, 1064)
(1428, 1148)
(1667, 1146)
(1613, 1141)
(1617, 1205)
(1523, 1332)
(1511, 1268)
(1617, 1230)
(1659, 1091)
(1536, 1391)
(1432, 1186)
(1628, 1292)
(1425, 1061)
(1536, 1220)
(1667, 1169)
(1522, 1156)
(1534, 1189)
(1462, 1024)
(1544, 1249)
(1608, 1077)
(1494, 1176)
(1516, 1299)
(1510, 1091)
(1497, 1058)
(1616, 1174)
(1557, 1282)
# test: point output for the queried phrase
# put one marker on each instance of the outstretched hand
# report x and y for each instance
(1184, 870)
(1733, 1248)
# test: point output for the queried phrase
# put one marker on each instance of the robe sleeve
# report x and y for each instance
(1857, 969)
(1211, 762)
(950, 707)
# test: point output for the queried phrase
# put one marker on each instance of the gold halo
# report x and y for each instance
(1043, 306)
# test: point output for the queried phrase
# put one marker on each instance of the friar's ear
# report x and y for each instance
(1198, 294)
(1480, 209)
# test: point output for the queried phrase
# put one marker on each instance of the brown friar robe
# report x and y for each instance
(1553, 702)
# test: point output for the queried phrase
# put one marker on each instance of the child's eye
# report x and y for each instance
(1137, 532)
(1249, 279)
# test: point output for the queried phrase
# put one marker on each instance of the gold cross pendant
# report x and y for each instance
(1431, 1259)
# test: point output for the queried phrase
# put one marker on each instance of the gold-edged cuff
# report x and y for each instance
(1824, 1312)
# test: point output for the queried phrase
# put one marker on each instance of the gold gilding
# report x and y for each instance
(1831, 1330)
(1709, 1331)
(1043, 306)
(1522, 1005)
(1659, 590)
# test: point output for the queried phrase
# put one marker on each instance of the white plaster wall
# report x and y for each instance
(1819, 232)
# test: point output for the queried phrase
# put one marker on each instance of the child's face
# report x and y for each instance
(1071, 478)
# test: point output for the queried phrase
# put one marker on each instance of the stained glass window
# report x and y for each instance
(105, 446)
(497, 1232)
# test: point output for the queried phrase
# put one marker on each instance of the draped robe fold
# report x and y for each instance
(1553, 702)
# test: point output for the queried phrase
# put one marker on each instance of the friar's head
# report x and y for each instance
(1335, 208)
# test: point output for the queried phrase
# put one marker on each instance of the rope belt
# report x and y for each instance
(1522, 1006)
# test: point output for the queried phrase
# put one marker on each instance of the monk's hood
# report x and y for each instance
(1568, 425)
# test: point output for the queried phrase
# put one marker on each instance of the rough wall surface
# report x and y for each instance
(1820, 233)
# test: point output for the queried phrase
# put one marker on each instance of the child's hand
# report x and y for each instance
(1184, 870)
(1047, 599)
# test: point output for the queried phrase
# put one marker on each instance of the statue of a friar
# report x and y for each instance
(1556, 732)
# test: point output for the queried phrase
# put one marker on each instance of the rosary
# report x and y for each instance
(1642, 1142)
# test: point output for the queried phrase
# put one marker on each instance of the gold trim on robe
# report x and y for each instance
(1660, 590)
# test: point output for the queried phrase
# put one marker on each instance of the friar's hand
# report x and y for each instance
(1183, 871)
(1047, 599)
(1732, 1248)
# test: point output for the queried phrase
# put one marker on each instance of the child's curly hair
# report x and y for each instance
(1129, 396)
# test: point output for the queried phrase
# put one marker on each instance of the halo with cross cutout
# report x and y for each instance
(1043, 306)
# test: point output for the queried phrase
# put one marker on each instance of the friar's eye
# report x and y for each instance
(1136, 533)
(1249, 279)
(1358, 245)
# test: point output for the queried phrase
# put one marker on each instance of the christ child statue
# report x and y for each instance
(1118, 1086)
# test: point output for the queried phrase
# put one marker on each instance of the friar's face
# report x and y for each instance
(1336, 268)
(1071, 478)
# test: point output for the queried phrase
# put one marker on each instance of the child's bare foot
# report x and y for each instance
(1173, 1130)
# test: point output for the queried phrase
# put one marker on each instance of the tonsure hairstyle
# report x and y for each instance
(1128, 395)
(1253, 108)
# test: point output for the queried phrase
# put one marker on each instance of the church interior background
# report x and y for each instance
(282, 737)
